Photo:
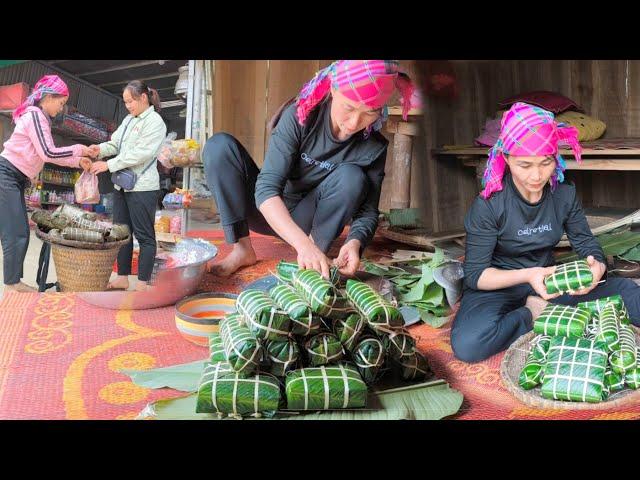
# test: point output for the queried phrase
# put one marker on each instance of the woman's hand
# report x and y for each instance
(536, 280)
(311, 257)
(597, 270)
(99, 167)
(85, 164)
(348, 259)
(92, 151)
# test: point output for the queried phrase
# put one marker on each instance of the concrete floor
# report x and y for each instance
(195, 222)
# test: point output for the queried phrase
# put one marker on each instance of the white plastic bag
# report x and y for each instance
(166, 153)
(86, 188)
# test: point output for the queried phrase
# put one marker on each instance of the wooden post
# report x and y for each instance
(401, 171)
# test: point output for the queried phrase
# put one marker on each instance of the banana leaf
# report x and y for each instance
(380, 314)
(369, 357)
(614, 381)
(399, 344)
(285, 271)
(575, 370)
(264, 318)
(611, 243)
(625, 358)
(540, 347)
(632, 255)
(349, 330)
(532, 373)
(323, 349)
(283, 356)
(241, 347)
(568, 277)
(562, 320)
(223, 391)
(426, 401)
(608, 328)
(184, 377)
(324, 388)
(303, 321)
(632, 377)
(414, 367)
(318, 292)
(216, 349)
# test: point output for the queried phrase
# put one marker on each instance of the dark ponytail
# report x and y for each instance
(137, 88)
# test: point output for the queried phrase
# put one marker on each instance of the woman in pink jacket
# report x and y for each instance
(22, 159)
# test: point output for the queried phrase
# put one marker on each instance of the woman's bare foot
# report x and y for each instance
(242, 255)
(120, 283)
(20, 287)
(142, 286)
(536, 305)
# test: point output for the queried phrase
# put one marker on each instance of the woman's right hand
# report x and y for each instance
(92, 151)
(311, 257)
(536, 280)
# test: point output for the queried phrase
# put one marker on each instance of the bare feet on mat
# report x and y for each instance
(242, 255)
(120, 283)
(536, 305)
(20, 287)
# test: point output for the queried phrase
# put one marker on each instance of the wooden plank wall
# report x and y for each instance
(607, 89)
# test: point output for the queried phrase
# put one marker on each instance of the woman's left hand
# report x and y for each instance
(99, 167)
(349, 258)
(85, 164)
(597, 270)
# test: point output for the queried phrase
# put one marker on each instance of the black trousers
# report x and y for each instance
(14, 224)
(324, 212)
(489, 321)
(138, 210)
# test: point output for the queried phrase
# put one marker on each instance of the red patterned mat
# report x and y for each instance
(61, 358)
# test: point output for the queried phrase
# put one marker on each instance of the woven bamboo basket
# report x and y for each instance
(82, 266)
(513, 362)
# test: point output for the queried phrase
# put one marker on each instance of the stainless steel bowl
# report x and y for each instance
(168, 285)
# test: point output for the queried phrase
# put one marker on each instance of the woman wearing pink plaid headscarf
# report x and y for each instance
(22, 159)
(512, 228)
(323, 167)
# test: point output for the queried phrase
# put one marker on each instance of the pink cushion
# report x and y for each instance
(551, 101)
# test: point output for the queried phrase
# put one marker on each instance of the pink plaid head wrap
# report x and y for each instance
(48, 84)
(527, 130)
(370, 82)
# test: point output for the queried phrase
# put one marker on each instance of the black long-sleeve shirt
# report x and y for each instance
(299, 157)
(507, 232)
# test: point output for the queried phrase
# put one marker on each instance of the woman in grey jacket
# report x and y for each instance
(134, 145)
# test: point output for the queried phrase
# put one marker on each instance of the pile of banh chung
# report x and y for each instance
(69, 222)
(305, 345)
(584, 353)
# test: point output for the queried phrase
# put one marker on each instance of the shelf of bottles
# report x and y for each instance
(60, 178)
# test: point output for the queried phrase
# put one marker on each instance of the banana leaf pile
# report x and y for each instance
(414, 287)
(621, 243)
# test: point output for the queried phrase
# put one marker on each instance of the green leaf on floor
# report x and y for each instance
(632, 255)
(424, 401)
(184, 377)
(433, 320)
(611, 243)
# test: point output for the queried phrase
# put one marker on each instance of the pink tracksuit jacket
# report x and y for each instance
(31, 145)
